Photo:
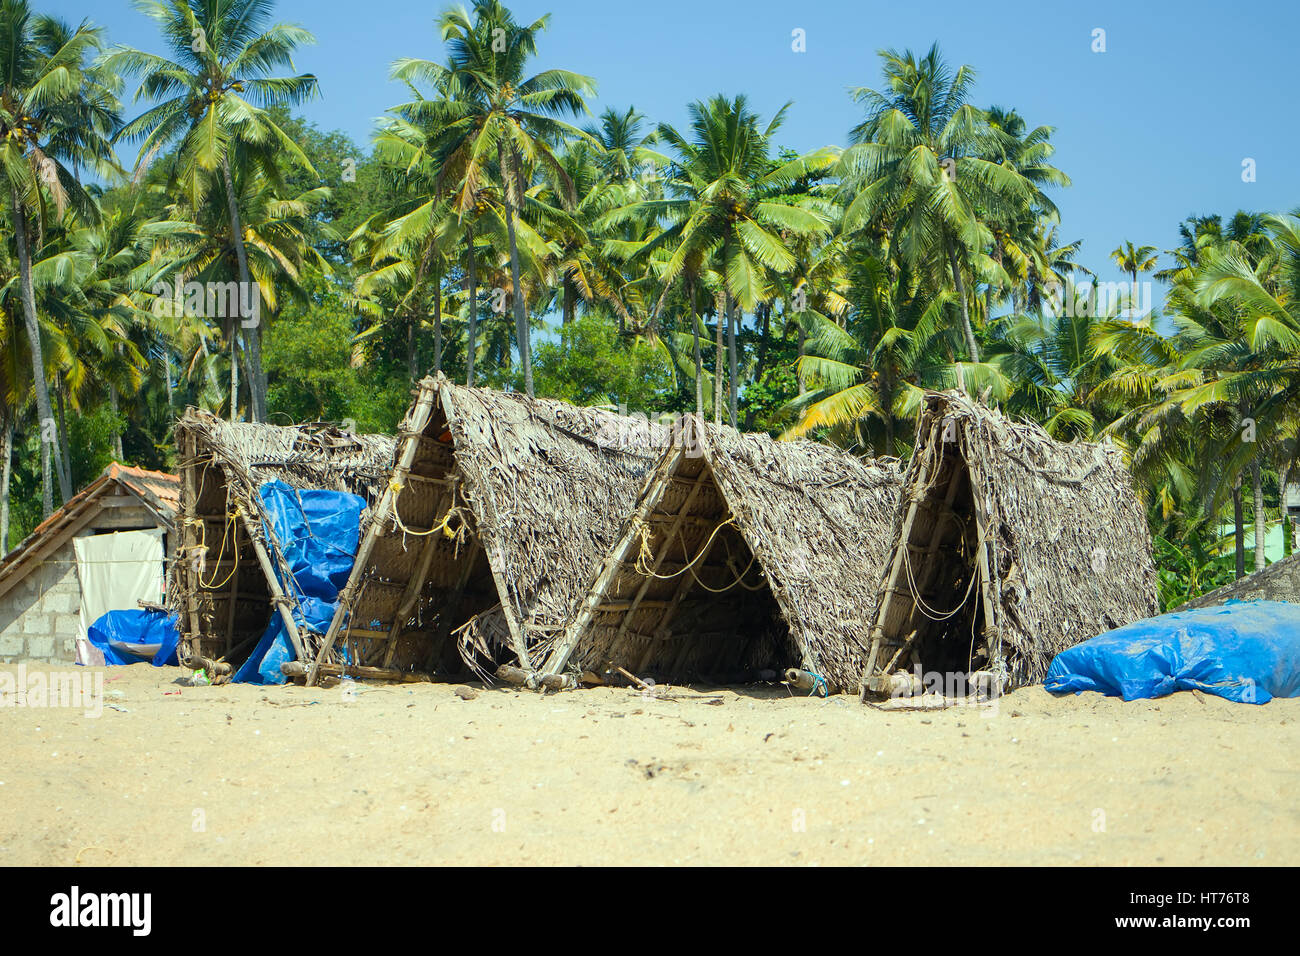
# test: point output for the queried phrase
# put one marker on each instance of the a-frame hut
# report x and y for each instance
(499, 509)
(744, 557)
(224, 582)
(1008, 547)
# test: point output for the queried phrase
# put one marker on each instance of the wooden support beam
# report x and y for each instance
(890, 586)
(414, 427)
(278, 597)
(411, 596)
(656, 486)
(701, 480)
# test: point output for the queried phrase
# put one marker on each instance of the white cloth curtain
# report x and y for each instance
(116, 572)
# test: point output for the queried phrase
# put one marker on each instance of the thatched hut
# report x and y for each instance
(224, 584)
(1280, 581)
(744, 556)
(499, 510)
(1009, 547)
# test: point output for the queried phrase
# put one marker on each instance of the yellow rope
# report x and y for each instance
(234, 533)
(645, 554)
(445, 526)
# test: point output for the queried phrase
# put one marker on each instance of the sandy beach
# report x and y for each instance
(171, 774)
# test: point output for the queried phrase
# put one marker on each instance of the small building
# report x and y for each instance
(744, 557)
(105, 549)
(498, 511)
(1008, 547)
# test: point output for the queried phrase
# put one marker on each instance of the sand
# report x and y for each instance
(405, 774)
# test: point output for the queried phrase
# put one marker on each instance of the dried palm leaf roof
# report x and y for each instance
(744, 554)
(1058, 526)
(223, 586)
(1280, 581)
(499, 510)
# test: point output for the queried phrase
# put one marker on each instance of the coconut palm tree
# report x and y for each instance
(494, 110)
(723, 198)
(927, 168)
(54, 109)
(214, 93)
(1133, 259)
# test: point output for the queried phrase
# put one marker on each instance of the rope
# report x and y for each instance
(234, 532)
(645, 555)
(932, 613)
(444, 526)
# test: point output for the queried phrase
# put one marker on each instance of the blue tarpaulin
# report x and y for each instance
(318, 533)
(1247, 651)
(136, 635)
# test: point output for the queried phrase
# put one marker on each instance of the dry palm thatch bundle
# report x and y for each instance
(743, 557)
(223, 583)
(1280, 581)
(1009, 547)
(499, 510)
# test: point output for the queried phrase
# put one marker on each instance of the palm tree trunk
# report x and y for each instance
(253, 340)
(4, 484)
(234, 371)
(1239, 526)
(570, 302)
(63, 433)
(803, 348)
(1282, 474)
(1261, 559)
(699, 355)
(719, 372)
(521, 314)
(472, 324)
(117, 435)
(45, 417)
(437, 319)
(960, 285)
(732, 388)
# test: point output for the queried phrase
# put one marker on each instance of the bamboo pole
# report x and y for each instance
(414, 428)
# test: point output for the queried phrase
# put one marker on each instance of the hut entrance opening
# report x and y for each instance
(428, 573)
(935, 615)
(691, 601)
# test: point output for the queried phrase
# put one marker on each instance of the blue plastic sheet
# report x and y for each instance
(318, 533)
(135, 636)
(1247, 651)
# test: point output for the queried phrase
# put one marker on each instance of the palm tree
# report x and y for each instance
(215, 92)
(53, 108)
(724, 198)
(495, 110)
(1134, 259)
(928, 169)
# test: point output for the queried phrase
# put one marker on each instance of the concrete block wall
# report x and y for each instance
(39, 616)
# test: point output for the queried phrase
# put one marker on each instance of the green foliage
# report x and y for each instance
(311, 374)
(594, 365)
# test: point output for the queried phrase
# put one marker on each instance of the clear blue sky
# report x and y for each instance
(1151, 131)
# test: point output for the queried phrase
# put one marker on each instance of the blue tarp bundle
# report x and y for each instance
(136, 635)
(1247, 651)
(318, 533)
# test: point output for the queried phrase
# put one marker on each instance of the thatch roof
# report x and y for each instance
(744, 555)
(227, 604)
(1057, 526)
(1280, 581)
(500, 509)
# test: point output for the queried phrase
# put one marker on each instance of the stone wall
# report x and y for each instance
(39, 615)
(1279, 581)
